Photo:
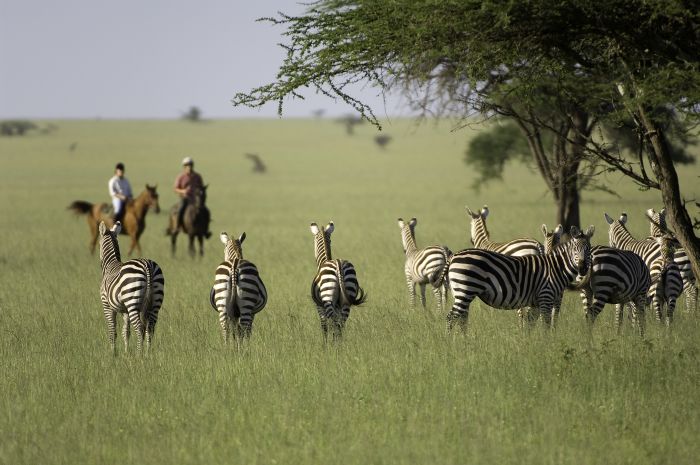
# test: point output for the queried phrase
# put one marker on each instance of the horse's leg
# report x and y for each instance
(201, 245)
(93, 230)
(134, 243)
(173, 241)
(191, 246)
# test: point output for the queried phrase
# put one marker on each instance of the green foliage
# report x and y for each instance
(489, 151)
(194, 114)
(16, 127)
(398, 391)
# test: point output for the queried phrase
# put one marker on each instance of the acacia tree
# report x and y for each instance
(601, 61)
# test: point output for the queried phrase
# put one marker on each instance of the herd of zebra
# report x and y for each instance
(521, 274)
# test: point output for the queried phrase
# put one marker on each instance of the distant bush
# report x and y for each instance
(16, 127)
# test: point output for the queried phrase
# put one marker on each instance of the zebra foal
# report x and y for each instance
(134, 288)
(423, 266)
(502, 281)
(657, 222)
(334, 288)
(238, 292)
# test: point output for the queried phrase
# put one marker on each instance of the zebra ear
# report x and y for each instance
(485, 212)
(574, 231)
(401, 223)
(558, 230)
(589, 232)
(330, 227)
(608, 219)
(117, 228)
(650, 214)
(103, 228)
(471, 213)
(662, 211)
(413, 222)
(241, 238)
(224, 238)
(623, 218)
(544, 230)
(314, 229)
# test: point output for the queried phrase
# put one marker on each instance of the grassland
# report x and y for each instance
(398, 390)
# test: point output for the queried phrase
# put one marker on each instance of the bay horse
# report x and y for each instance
(133, 222)
(195, 222)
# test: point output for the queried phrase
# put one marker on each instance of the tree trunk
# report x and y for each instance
(568, 202)
(665, 172)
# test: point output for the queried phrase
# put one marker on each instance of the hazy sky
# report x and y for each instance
(143, 59)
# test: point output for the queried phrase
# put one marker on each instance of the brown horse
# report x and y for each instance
(195, 222)
(133, 222)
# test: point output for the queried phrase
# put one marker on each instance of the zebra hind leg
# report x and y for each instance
(110, 317)
(126, 332)
(459, 313)
(437, 291)
(411, 292)
(137, 326)
(638, 308)
(422, 295)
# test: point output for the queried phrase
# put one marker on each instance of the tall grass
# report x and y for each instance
(399, 389)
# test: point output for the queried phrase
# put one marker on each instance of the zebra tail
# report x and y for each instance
(447, 253)
(80, 207)
(148, 296)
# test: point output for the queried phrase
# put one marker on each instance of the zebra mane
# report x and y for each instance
(109, 249)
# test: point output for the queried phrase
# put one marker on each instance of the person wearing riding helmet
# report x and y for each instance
(186, 185)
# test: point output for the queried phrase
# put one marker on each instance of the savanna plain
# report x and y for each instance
(397, 390)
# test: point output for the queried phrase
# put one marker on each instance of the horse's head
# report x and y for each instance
(152, 197)
(200, 196)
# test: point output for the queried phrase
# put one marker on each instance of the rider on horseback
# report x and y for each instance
(187, 184)
(120, 191)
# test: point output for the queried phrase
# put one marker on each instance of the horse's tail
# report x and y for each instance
(81, 207)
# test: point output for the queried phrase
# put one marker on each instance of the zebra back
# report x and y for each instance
(481, 239)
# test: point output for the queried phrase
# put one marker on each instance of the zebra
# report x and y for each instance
(423, 266)
(334, 288)
(134, 288)
(551, 239)
(238, 292)
(617, 277)
(657, 222)
(665, 278)
(516, 248)
(665, 289)
(503, 281)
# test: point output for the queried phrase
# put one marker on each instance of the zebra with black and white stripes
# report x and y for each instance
(524, 247)
(423, 266)
(134, 288)
(617, 277)
(503, 281)
(658, 227)
(481, 239)
(667, 286)
(334, 288)
(239, 292)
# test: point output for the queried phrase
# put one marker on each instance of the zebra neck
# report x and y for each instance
(409, 242)
(480, 236)
(560, 259)
(111, 265)
(323, 252)
(232, 254)
(619, 235)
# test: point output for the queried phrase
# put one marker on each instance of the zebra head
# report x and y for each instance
(232, 247)
(580, 249)
(617, 230)
(667, 246)
(408, 233)
(657, 222)
(551, 239)
(478, 222)
(109, 246)
(322, 241)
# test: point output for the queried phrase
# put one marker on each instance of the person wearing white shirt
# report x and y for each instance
(120, 191)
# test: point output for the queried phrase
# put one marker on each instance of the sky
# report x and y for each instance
(147, 59)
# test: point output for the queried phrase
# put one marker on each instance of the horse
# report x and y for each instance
(195, 222)
(133, 222)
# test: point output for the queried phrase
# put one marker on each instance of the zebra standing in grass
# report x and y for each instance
(334, 288)
(502, 281)
(239, 292)
(423, 266)
(133, 288)
(515, 248)
(666, 280)
(617, 277)
(667, 286)
(657, 222)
